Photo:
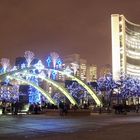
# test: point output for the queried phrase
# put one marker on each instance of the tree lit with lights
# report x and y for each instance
(29, 56)
(5, 63)
(54, 57)
(77, 91)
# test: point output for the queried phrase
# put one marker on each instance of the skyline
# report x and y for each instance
(64, 26)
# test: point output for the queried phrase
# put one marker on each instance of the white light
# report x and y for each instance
(8, 77)
(120, 33)
(0, 111)
(121, 22)
(39, 65)
(115, 29)
(132, 54)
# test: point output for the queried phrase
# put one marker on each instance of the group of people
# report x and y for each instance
(15, 107)
(10, 107)
(34, 108)
(123, 108)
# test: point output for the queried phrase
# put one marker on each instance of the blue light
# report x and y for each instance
(54, 74)
(34, 95)
(1, 70)
(23, 65)
(49, 60)
(59, 62)
(6, 80)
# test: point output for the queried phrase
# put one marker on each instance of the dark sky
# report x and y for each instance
(64, 26)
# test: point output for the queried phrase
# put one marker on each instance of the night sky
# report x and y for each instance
(64, 26)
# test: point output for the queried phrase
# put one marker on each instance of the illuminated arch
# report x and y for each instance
(3, 75)
(90, 91)
(35, 86)
(55, 84)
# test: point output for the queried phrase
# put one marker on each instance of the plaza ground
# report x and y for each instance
(43, 127)
(116, 132)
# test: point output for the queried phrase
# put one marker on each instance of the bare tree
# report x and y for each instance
(49, 73)
(29, 56)
(54, 57)
(5, 62)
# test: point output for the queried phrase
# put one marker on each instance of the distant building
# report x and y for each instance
(91, 73)
(77, 64)
(106, 69)
(72, 58)
(83, 69)
(73, 62)
(125, 47)
(19, 61)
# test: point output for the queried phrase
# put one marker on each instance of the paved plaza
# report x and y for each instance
(41, 127)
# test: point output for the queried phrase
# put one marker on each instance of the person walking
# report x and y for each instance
(3, 107)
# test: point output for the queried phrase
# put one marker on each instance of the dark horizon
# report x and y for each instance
(64, 26)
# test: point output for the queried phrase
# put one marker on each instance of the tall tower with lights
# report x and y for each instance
(125, 47)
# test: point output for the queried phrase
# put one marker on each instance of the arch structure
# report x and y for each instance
(46, 94)
(90, 91)
(125, 47)
(55, 84)
(64, 91)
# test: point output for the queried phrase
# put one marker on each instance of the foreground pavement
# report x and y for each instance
(42, 127)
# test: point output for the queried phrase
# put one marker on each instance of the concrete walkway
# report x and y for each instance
(41, 127)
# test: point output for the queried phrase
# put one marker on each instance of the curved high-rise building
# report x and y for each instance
(125, 47)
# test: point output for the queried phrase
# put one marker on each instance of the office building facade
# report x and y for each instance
(125, 47)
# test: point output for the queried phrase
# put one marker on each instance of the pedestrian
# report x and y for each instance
(137, 108)
(12, 107)
(65, 109)
(61, 108)
(3, 107)
(16, 108)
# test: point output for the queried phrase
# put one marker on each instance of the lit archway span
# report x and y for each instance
(3, 75)
(35, 86)
(90, 91)
(55, 84)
